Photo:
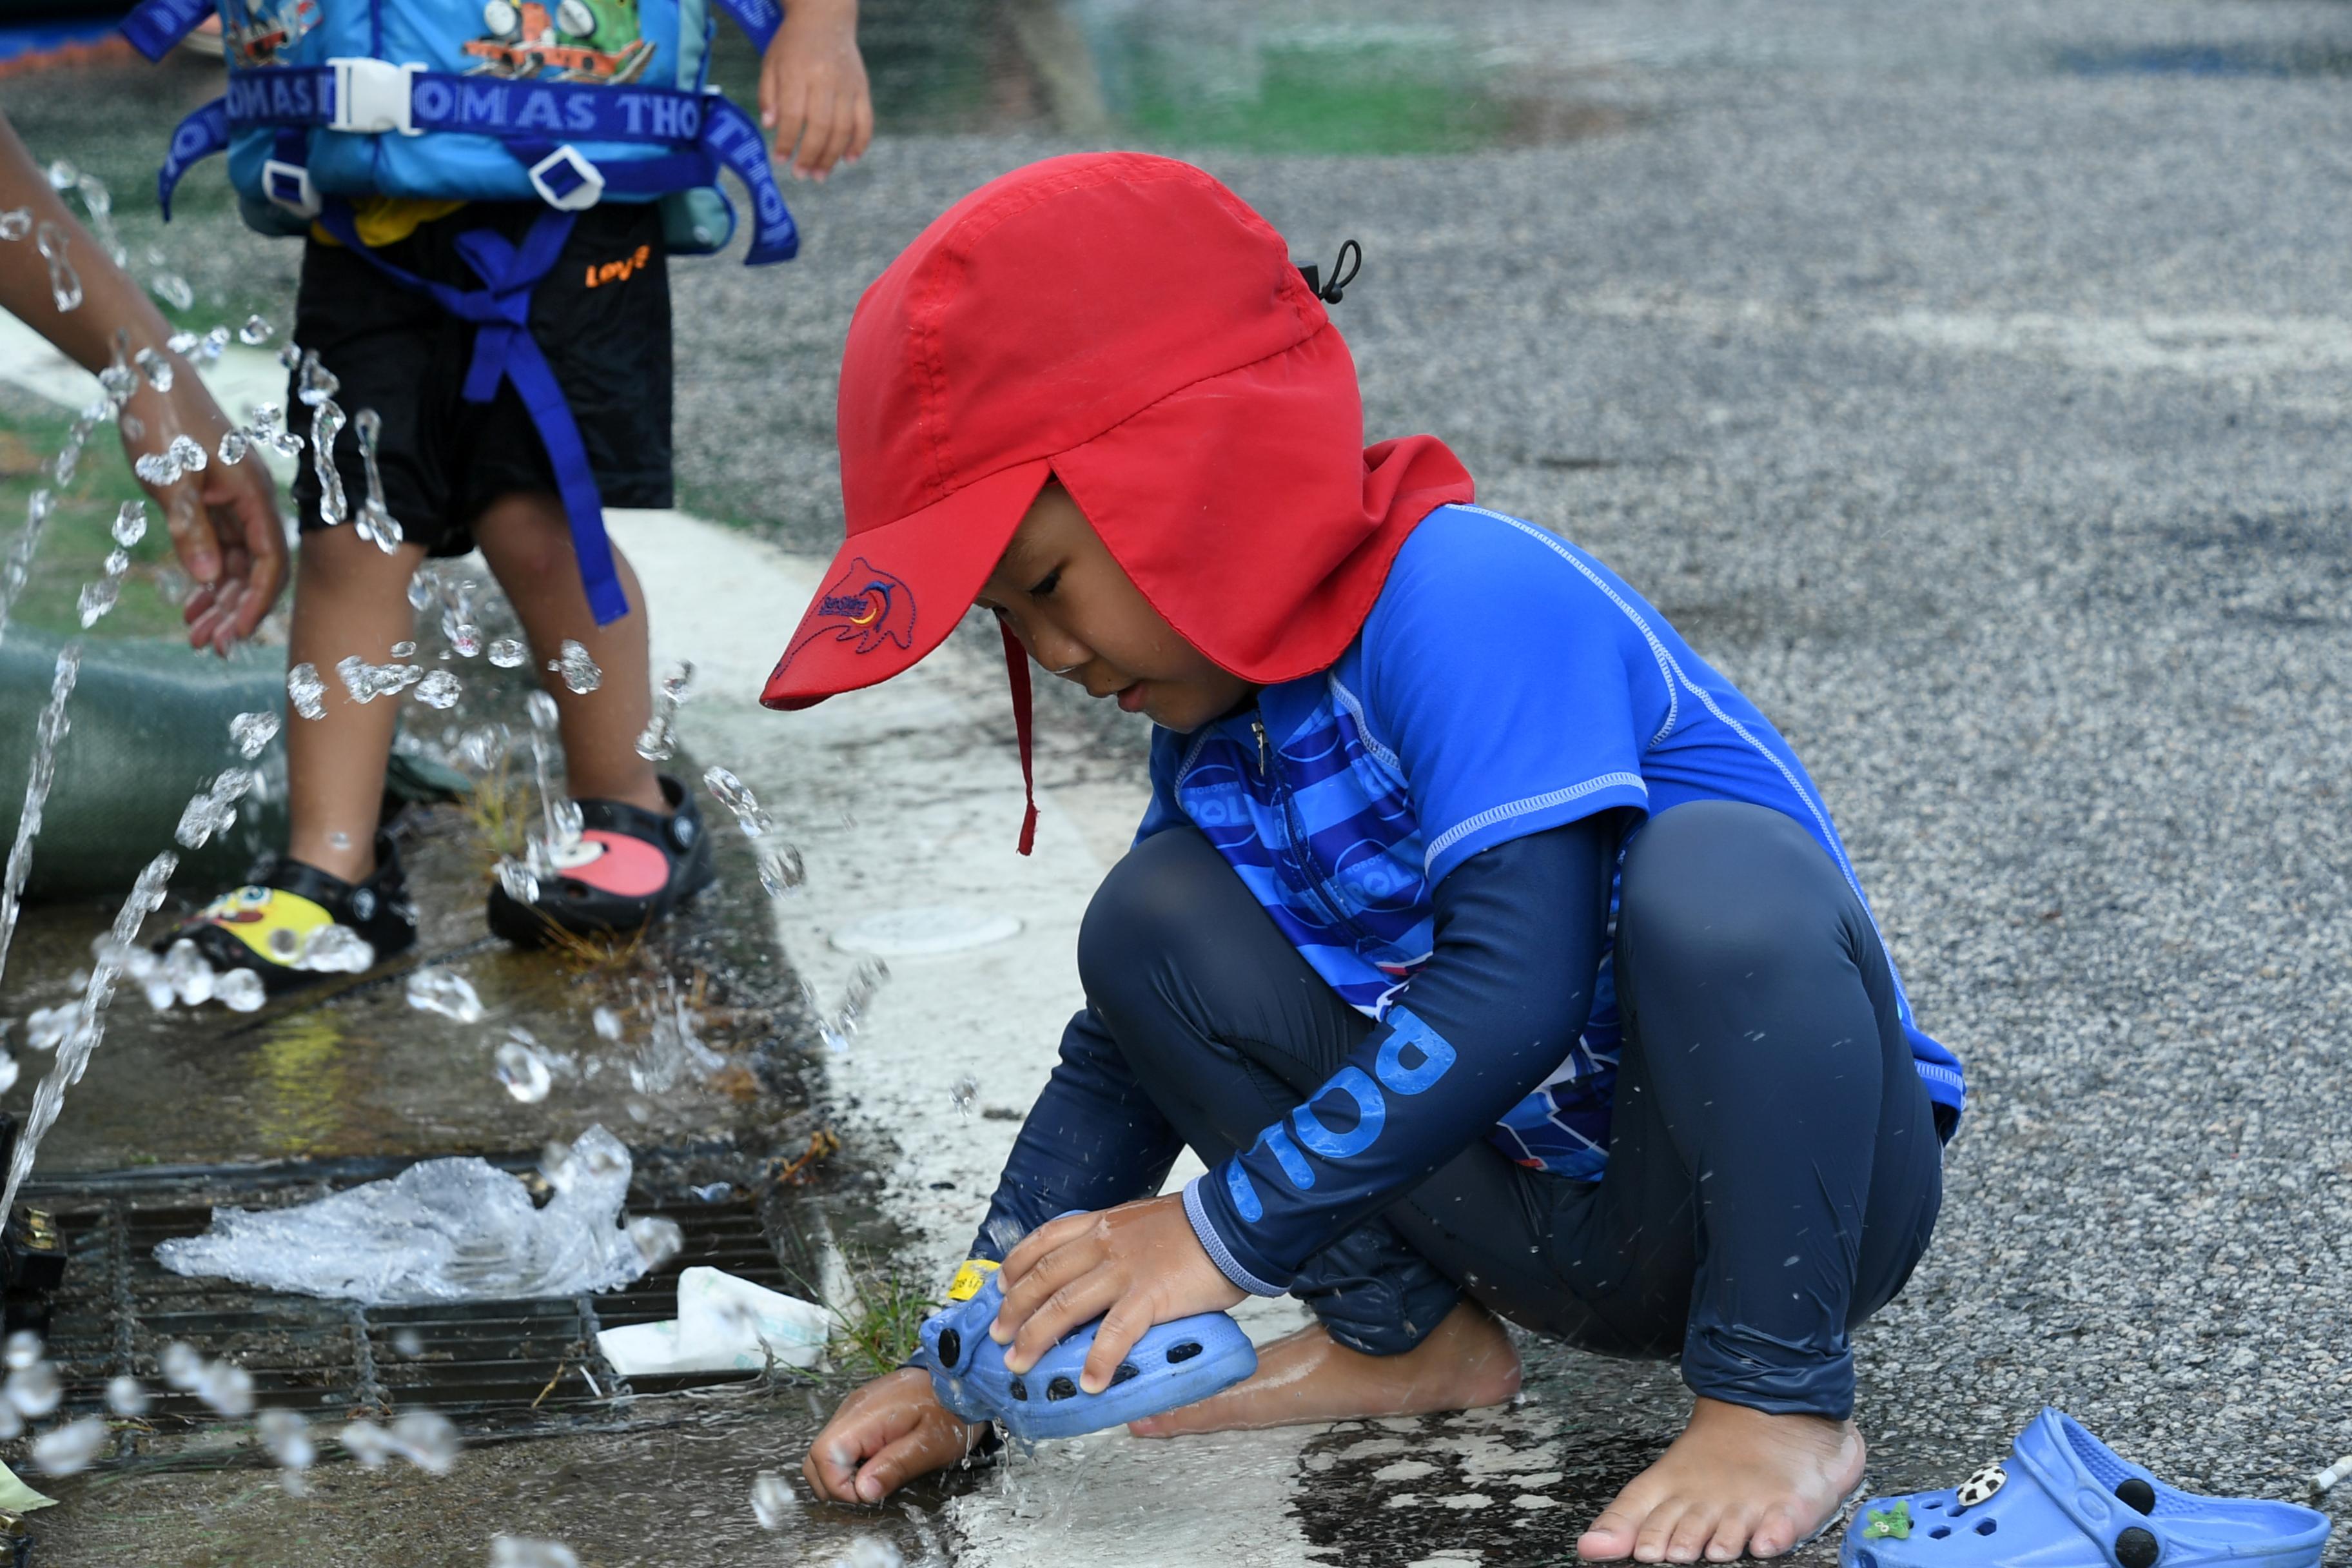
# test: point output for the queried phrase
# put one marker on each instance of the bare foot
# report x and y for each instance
(1307, 1376)
(1736, 1481)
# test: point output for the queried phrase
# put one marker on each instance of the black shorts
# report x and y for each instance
(600, 316)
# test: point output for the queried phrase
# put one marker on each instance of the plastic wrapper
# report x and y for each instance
(441, 1230)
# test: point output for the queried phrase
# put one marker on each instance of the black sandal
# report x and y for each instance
(630, 867)
(269, 924)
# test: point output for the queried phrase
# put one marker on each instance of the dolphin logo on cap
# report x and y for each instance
(863, 603)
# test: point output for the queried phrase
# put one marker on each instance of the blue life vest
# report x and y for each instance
(565, 102)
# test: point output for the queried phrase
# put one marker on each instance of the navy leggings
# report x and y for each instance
(1774, 1167)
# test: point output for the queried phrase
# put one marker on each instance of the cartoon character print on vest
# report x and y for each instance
(256, 32)
(1981, 1487)
(568, 41)
(868, 606)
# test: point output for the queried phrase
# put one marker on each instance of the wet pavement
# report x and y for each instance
(1969, 382)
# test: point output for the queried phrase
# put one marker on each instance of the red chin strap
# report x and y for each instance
(1016, 671)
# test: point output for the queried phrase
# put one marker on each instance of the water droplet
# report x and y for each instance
(233, 445)
(191, 978)
(515, 878)
(315, 383)
(658, 1240)
(189, 453)
(408, 1343)
(126, 1395)
(736, 797)
(255, 332)
(657, 743)
(286, 1437)
(183, 342)
(564, 823)
(173, 290)
(965, 1090)
(156, 368)
(523, 1071)
(523, 1552)
(326, 424)
(422, 587)
(239, 990)
(214, 343)
(542, 712)
(607, 1023)
(773, 1502)
(69, 1447)
(62, 175)
(337, 949)
(157, 468)
(15, 223)
(508, 654)
(579, 671)
(307, 692)
(65, 283)
(782, 870)
(181, 1365)
(252, 731)
(22, 1350)
(439, 690)
(368, 1443)
(445, 992)
(130, 523)
(224, 1385)
(98, 598)
(34, 1390)
(426, 1440)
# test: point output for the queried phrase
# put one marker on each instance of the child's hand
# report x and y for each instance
(813, 92)
(885, 1435)
(1133, 1265)
(222, 522)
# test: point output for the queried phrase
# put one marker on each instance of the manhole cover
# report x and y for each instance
(493, 1367)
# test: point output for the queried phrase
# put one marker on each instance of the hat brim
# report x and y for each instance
(894, 593)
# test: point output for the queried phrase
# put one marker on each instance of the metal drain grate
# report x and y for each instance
(496, 1368)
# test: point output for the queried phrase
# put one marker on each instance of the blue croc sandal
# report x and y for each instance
(1173, 1363)
(2063, 1500)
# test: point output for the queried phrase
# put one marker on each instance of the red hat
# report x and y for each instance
(1127, 325)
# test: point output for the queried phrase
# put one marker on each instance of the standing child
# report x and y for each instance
(488, 191)
(1498, 958)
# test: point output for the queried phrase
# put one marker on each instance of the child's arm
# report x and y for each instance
(1094, 1140)
(1519, 938)
(224, 521)
(813, 90)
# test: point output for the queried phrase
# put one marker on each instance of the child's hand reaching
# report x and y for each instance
(885, 1435)
(813, 92)
(1133, 1265)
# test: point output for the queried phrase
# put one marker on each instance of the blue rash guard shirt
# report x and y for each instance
(1505, 684)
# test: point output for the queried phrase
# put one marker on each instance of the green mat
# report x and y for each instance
(149, 728)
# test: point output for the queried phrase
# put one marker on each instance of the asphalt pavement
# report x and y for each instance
(1971, 385)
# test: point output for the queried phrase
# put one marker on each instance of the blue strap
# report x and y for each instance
(758, 19)
(157, 25)
(729, 134)
(198, 137)
(504, 350)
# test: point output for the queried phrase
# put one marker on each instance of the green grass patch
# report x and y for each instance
(78, 537)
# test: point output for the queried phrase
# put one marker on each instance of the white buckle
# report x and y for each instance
(372, 95)
(288, 185)
(580, 197)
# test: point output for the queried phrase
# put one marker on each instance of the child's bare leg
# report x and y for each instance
(527, 543)
(1736, 1482)
(350, 598)
(1467, 1362)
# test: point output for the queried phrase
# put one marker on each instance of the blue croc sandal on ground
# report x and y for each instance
(1174, 1364)
(2063, 1500)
